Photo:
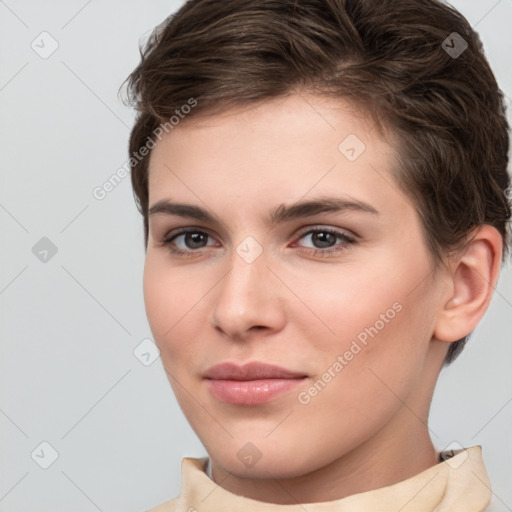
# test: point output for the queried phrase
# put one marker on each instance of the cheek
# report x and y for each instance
(158, 297)
(173, 307)
(345, 303)
(164, 299)
(373, 318)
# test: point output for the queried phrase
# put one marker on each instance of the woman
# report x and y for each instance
(324, 187)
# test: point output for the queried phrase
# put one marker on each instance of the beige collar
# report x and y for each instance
(458, 484)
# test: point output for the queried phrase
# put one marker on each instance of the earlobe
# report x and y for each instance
(474, 273)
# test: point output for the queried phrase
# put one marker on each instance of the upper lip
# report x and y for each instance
(250, 371)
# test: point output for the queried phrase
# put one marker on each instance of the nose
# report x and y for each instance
(249, 299)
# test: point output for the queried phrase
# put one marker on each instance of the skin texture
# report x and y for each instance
(367, 427)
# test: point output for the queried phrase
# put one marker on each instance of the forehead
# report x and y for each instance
(284, 150)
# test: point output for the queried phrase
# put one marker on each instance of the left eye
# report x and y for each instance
(324, 240)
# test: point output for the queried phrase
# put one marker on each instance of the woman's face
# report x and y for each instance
(342, 296)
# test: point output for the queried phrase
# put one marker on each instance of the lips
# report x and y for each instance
(250, 371)
(251, 384)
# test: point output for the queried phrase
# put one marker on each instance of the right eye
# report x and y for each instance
(185, 242)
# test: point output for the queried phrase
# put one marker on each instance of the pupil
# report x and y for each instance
(194, 238)
(322, 237)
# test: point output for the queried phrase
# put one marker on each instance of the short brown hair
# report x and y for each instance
(415, 64)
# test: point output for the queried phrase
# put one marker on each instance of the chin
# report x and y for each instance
(262, 459)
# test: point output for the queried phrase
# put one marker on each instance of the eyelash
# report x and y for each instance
(347, 240)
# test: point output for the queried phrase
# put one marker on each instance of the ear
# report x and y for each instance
(473, 276)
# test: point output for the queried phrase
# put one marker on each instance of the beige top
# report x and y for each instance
(458, 484)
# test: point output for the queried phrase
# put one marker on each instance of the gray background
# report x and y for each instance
(69, 325)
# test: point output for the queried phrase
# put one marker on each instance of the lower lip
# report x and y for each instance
(251, 392)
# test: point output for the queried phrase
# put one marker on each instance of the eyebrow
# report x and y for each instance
(279, 215)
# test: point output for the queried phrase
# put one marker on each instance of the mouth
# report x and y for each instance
(254, 383)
